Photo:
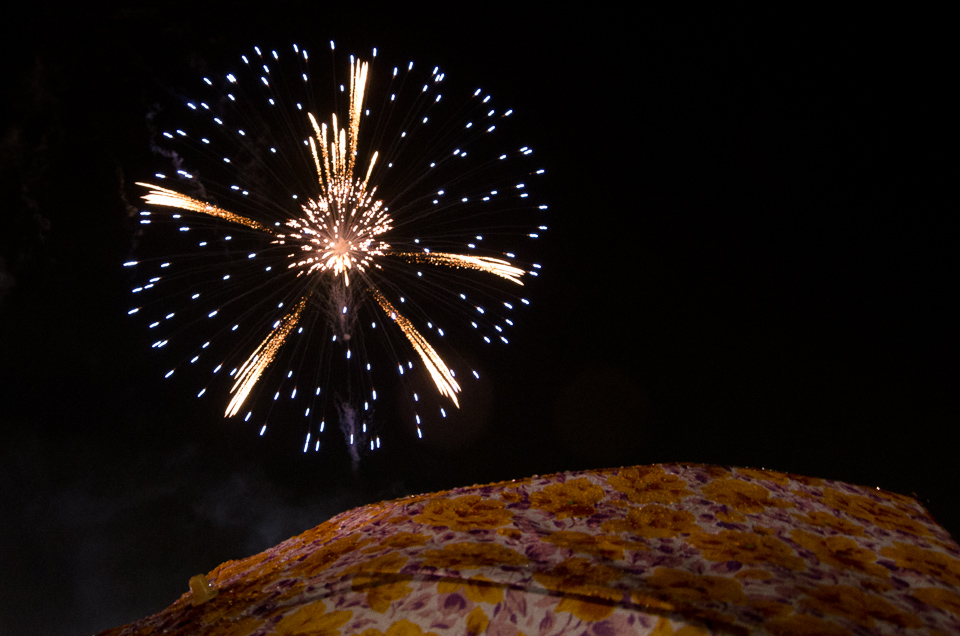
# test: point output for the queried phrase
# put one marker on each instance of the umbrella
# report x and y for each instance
(683, 549)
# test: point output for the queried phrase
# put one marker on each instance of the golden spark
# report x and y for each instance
(496, 266)
(251, 370)
(168, 198)
(431, 359)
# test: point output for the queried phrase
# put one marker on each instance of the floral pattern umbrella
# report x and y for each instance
(664, 549)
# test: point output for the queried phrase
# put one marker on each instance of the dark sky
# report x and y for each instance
(751, 262)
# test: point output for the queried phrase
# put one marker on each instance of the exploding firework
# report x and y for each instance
(313, 245)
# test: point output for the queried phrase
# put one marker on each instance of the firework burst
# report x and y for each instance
(404, 217)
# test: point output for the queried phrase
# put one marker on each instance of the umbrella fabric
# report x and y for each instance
(663, 549)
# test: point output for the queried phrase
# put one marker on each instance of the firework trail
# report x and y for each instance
(381, 221)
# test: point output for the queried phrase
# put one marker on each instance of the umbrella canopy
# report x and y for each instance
(662, 549)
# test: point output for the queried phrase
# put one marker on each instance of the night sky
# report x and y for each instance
(750, 262)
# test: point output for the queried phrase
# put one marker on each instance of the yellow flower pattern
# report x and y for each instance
(730, 516)
(579, 578)
(653, 521)
(691, 549)
(840, 552)
(573, 498)
(746, 547)
(313, 620)
(862, 608)
(323, 558)
(470, 512)
(399, 541)
(402, 627)
(477, 622)
(947, 600)
(608, 546)
(664, 628)
(478, 590)
(833, 522)
(649, 484)
(741, 495)
(687, 588)
(469, 556)
(929, 562)
(378, 579)
(882, 515)
(759, 474)
(805, 625)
